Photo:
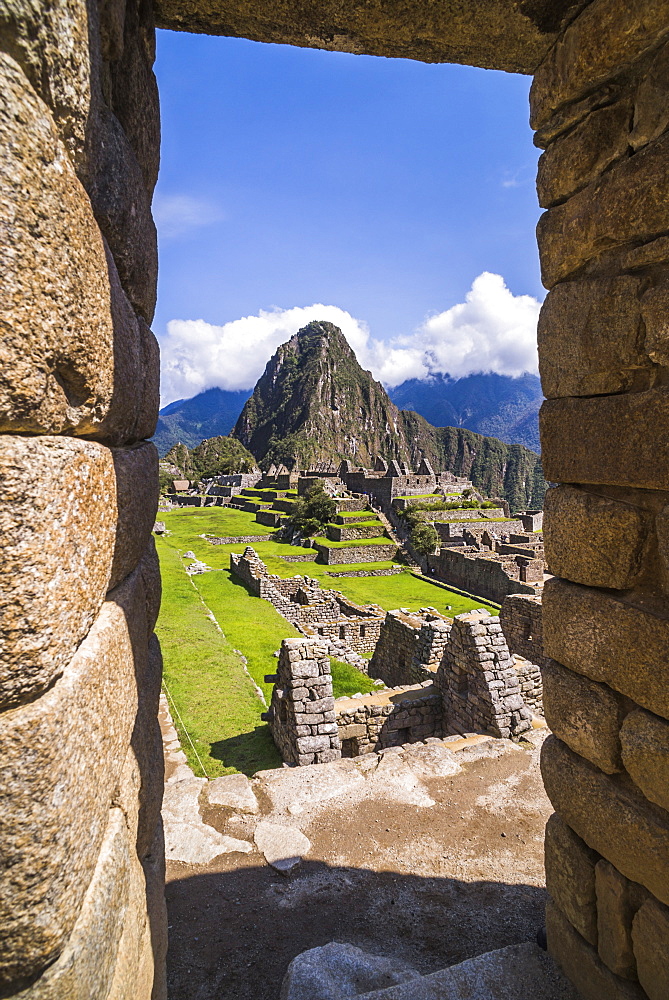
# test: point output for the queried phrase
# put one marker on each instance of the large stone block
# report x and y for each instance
(618, 900)
(617, 440)
(580, 963)
(644, 740)
(627, 204)
(136, 472)
(608, 640)
(594, 540)
(584, 714)
(603, 40)
(122, 208)
(651, 102)
(85, 968)
(570, 876)
(75, 358)
(57, 536)
(60, 762)
(610, 815)
(52, 44)
(654, 309)
(590, 337)
(580, 156)
(650, 934)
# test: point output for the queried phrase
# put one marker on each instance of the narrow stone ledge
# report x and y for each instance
(645, 753)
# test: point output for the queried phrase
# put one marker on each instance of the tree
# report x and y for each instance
(424, 538)
(313, 511)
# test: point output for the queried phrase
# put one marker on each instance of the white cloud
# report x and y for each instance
(179, 214)
(492, 330)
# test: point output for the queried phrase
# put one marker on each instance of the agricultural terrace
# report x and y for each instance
(209, 623)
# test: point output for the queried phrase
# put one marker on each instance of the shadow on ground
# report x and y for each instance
(247, 752)
(234, 931)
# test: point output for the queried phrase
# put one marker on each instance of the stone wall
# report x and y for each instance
(81, 894)
(485, 574)
(355, 553)
(600, 105)
(388, 719)
(301, 715)
(358, 634)
(478, 680)
(410, 647)
(350, 532)
(521, 619)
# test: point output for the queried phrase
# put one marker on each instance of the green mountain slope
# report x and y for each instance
(315, 403)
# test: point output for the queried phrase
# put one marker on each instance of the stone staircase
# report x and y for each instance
(392, 532)
(517, 972)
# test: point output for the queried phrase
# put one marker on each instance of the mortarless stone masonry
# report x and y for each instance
(301, 715)
(389, 718)
(79, 156)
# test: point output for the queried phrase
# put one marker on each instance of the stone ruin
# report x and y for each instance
(443, 677)
(491, 563)
(390, 479)
(80, 148)
(345, 626)
(301, 715)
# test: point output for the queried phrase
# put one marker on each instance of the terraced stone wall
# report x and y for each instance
(81, 772)
(600, 105)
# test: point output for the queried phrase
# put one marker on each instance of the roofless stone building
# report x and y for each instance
(81, 906)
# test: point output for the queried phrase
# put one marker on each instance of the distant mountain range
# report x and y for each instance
(494, 405)
(188, 421)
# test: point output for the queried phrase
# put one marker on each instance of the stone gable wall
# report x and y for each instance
(478, 681)
(410, 648)
(301, 715)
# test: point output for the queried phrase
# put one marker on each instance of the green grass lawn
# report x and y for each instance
(353, 514)
(215, 698)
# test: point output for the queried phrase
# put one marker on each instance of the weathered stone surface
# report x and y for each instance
(140, 788)
(85, 967)
(590, 337)
(570, 876)
(149, 569)
(608, 640)
(90, 368)
(650, 934)
(234, 791)
(594, 540)
(645, 753)
(497, 35)
(282, 846)
(604, 39)
(584, 714)
(187, 837)
(133, 90)
(580, 963)
(136, 471)
(627, 203)
(573, 160)
(122, 208)
(618, 900)
(57, 526)
(610, 815)
(616, 440)
(651, 102)
(60, 762)
(654, 307)
(340, 971)
(52, 46)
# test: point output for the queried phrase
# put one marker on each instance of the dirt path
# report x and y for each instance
(412, 861)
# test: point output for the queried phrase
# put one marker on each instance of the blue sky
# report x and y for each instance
(381, 187)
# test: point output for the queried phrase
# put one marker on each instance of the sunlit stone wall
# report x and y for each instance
(81, 885)
(600, 105)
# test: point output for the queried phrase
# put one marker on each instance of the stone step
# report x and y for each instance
(518, 972)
